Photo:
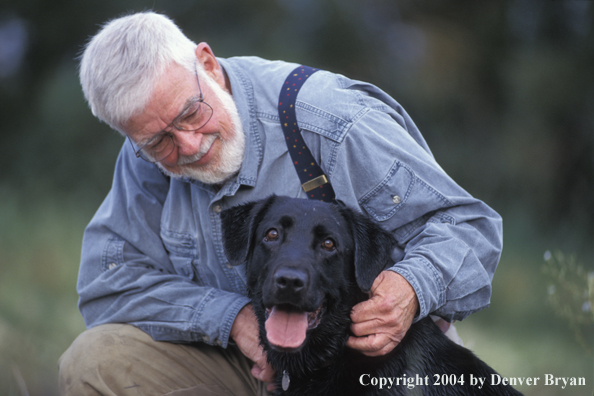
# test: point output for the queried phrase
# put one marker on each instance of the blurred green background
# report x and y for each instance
(503, 91)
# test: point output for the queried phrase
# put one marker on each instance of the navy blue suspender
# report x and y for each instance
(314, 182)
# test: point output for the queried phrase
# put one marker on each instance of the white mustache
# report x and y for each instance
(207, 141)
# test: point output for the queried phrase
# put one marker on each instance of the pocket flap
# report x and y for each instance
(401, 197)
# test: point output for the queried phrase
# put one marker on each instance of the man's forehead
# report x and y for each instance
(171, 94)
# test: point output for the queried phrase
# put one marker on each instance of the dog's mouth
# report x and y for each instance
(286, 326)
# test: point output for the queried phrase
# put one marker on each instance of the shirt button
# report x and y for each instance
(217, 208)
(112, 266)
(396, 199)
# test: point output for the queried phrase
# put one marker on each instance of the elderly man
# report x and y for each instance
(166, 312)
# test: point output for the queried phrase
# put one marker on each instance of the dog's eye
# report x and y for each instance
(271, 235)
(328, 244)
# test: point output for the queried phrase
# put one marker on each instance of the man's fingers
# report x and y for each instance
(370, 343)
(371, 322)
(377, 305)
(369, 327)
(245, 334)
(367, 310)
(256, 371)
(373, 345)
(267, 375)
(380, 322)
(264, 374)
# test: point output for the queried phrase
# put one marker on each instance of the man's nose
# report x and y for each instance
(187, 142)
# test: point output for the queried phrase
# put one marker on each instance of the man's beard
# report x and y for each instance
(227, 161)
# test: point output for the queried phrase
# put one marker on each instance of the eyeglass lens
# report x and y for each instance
(194, 119)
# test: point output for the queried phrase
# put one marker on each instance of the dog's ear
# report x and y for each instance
(236, 232)
(373, 248)
(239, 224)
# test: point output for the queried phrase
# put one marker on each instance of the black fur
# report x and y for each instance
(337, 280)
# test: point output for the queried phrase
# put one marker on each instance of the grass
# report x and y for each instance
(514, 352)
(39, 318)
(519, 336)
(40, 245)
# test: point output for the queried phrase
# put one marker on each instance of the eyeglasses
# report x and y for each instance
(195, 115)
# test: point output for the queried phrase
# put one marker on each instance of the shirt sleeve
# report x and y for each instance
(126, 275)
(449, 242)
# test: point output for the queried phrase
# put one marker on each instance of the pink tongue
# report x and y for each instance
(286, 329)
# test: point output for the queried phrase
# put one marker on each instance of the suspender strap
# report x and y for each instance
(313, 180)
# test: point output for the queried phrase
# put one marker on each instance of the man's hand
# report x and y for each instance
(245, 334)
(381, 322)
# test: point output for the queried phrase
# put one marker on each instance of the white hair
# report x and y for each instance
(121, 64)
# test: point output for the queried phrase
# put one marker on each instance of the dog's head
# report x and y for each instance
(308, 263)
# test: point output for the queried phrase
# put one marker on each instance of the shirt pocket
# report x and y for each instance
(182, 251)
(402, 202)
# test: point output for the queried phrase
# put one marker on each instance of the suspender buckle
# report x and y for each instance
(314, 183)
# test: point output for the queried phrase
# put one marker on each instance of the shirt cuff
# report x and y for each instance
(216, 314)
(426, 282)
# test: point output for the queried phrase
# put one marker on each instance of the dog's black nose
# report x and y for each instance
(290, 280)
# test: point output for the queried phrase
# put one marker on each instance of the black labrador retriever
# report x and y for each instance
(307, 264)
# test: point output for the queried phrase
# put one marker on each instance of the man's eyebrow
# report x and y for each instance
(144, 142)
(189, 102)
(185, 109)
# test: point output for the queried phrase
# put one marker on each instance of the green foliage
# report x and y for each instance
(40, 245)
(571, 295)
(502, 91)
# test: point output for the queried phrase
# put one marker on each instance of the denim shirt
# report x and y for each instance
(153, 256)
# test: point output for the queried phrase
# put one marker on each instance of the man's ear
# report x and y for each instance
(373, 248)
(211, 66)
(239, 224)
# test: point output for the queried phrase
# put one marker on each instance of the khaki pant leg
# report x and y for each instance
(119, 359)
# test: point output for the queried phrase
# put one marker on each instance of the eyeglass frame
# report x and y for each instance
(165, 131)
